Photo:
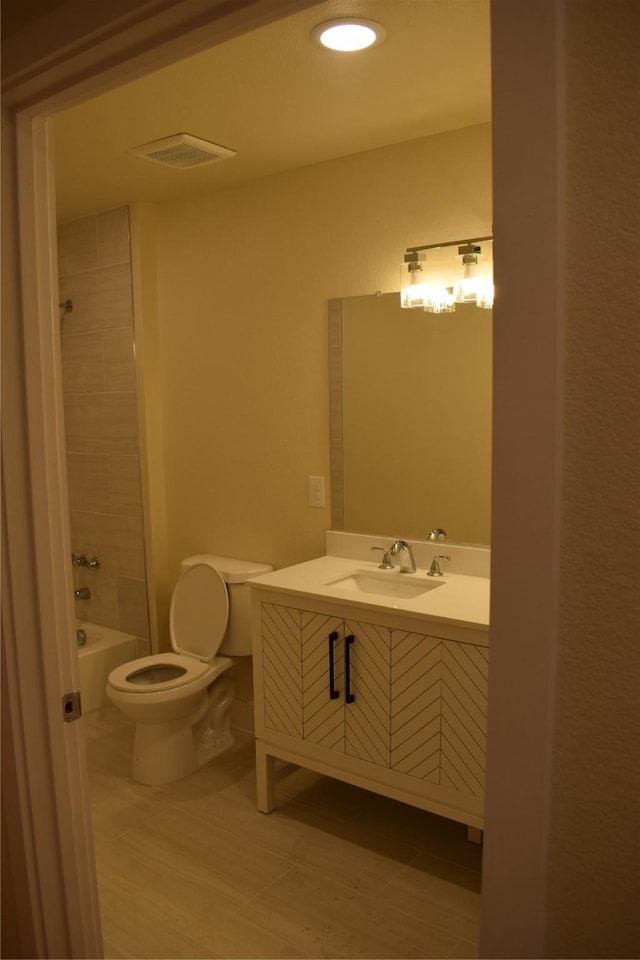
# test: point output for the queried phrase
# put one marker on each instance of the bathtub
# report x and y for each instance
(104, 650)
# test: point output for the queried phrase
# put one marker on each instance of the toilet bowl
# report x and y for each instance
(180, 701)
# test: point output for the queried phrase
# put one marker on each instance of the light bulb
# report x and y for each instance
(348, 35)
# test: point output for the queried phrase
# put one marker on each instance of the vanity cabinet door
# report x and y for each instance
(367, 715)
(416, 705)
(281, 669)
(439, 711)
(322, 667)
(298, 648)
(465, 672)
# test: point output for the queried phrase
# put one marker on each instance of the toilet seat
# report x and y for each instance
(197, 625)
(129, 676)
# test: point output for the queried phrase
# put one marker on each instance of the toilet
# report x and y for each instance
(180, 701)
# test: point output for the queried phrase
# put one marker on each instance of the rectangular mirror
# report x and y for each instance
(410, 419)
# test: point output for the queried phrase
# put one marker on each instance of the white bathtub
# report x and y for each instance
(104, 650)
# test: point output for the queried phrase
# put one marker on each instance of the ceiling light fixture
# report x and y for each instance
(347, 35)
(430, 293)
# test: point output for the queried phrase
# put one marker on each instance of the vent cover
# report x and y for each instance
(183, 151)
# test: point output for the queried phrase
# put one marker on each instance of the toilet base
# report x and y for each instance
(166, 752)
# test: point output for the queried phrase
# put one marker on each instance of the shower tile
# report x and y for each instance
(119, 361)
(117, 541)
(125, 486)
(77, 246)
(101, 423)
(102, 607)
(88, 483)
(101, 299)
(132, 606)
(113, 237)
(83, 368)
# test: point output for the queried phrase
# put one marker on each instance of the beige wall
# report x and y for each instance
(594, 862)
(244, 278)
(561, 862)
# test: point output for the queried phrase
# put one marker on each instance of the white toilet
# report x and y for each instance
(180, 701)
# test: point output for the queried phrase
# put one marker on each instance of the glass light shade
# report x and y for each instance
(476, 283)
(348, 35)
(439, 299)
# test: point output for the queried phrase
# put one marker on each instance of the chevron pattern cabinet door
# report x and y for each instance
(367, 720)
(416, 691)
(282, 656)
(323, 718)
(464, 716)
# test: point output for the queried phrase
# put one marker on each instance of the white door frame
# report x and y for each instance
(45, 799)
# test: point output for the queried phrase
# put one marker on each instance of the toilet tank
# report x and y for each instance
(235, 573)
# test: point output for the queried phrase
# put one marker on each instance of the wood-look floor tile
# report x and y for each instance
(464, 950)
(151, 912)
(427, 831)
(323, 918)
(191, 869)
(327, 795)
(283, 831)
(112, 952)
(187, 847)
(446, 893)
(357, 858)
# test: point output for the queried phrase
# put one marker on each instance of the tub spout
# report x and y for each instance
(83, 593)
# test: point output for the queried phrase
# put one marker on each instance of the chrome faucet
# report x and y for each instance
(407, 562)
(82, 593)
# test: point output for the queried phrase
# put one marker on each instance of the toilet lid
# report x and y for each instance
(199, 612)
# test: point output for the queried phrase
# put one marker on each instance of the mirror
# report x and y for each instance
(410, 419)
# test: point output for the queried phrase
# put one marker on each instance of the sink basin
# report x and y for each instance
(398, 586)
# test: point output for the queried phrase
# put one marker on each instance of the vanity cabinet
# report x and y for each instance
(391, 703)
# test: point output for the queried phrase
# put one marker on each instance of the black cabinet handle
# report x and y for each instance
(348, 696)
(333, 693)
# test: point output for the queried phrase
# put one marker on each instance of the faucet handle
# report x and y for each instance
(434, 570)
(437, 534)
(386, 559)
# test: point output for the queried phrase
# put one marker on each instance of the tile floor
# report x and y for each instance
(193, 870)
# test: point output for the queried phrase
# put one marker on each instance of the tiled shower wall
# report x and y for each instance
(101, 420)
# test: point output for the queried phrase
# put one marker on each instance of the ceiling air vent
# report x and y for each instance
(183, 151)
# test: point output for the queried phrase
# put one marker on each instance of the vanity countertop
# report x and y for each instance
(452, 598)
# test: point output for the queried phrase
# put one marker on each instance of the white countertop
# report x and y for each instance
(453, 598)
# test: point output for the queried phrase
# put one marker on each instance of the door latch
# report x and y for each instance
(71, 706)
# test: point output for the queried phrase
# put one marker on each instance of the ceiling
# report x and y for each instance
(281, 102)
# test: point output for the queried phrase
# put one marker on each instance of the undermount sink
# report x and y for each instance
(398, 586)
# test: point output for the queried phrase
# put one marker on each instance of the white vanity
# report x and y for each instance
(375, 677)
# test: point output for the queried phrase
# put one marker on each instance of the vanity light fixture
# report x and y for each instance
(474, 286)
(348, 34)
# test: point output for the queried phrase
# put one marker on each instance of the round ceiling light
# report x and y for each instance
(348, 34)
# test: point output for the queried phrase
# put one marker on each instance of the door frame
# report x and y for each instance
(45, 798)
